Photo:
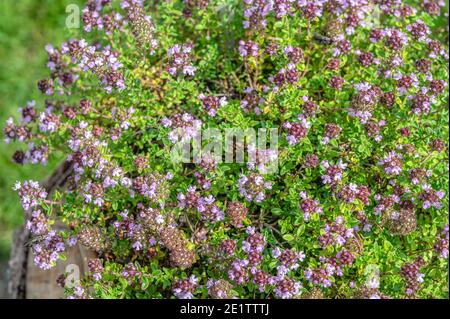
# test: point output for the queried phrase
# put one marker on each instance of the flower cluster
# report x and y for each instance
(38, 224)
(219, 289)
(364, 102)
(184, 288)
(255, 13)
(184, 127)
(237, 213)
(96, 268)
(285, 76)
(248, 49)
(180, 60)
(154, 186)
(357, 91)
(253, 187)
(336, 233)
(212, 103)
(14, 132)
(374, 129)
(103, 63)
(431, 197)
(94, 238)
(333, 173)
(441, 246)
(309, 206)
(95, 18)
(297, 130)
(30, 193)
(251, 101)
(242, 270)
(349, 193)
(180, 254)
(47, 251)
(331, 132)
(392, 163)
(204, 205)
(412, 276)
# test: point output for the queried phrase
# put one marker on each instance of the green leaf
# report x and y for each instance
(288, 237)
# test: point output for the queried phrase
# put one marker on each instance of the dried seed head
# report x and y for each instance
(142, 26)
(315, 293)
(180, 255)
(152, 220)
(403, 222)
(182, 258)
(365, 100)
(94, 238)
(237, 213)
(333, 28)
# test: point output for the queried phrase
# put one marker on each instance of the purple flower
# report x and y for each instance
(253, 187)
(255, 13)
(212, 103)
(251, 101)
(392, 163)
(248, 48)
(184, 288)
(333, 173)
(297, 130)
(180, 60)
(30, 193)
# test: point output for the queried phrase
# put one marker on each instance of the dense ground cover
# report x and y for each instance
(356, 205)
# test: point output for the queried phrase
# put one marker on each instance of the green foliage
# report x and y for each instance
(356, 204)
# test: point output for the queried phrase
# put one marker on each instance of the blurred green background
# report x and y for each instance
(26, 26)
